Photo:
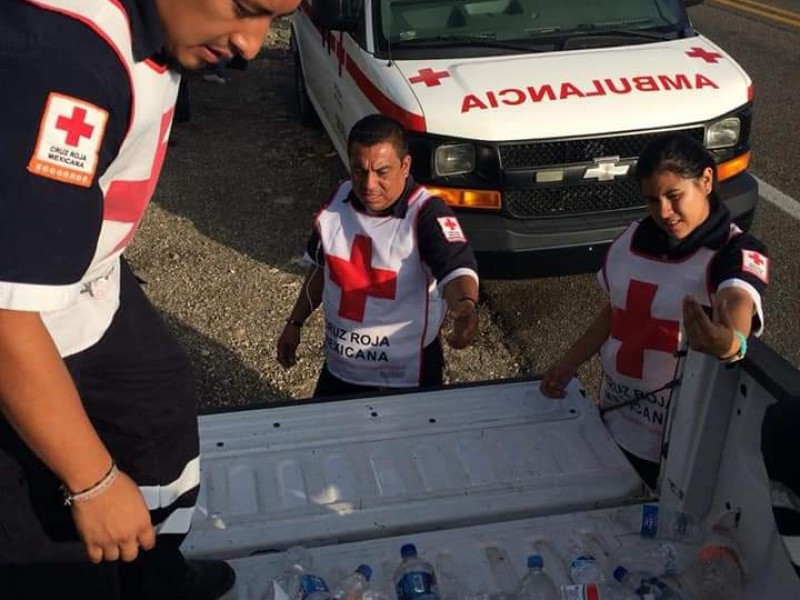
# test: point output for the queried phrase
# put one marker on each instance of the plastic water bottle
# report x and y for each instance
(354, 585)
(716, 573)
(596, 591)
(650, 557)
(582, 564)
(415, 579)
(536, 585)
(653, 521)
(647, 587)
(298, 582)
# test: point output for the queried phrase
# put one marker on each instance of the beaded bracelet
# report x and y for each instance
(93, 490)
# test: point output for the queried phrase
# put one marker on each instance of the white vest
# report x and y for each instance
(381, 303)
(646, 296)
(128, 182)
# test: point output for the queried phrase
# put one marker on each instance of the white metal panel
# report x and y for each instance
(362, 469)
(578, 92)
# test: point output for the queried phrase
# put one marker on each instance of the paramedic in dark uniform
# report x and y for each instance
(684, 274)
(99, 457)
(388, 262)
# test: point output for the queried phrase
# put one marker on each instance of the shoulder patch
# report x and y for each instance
(756, 264)
(70, 134)
(451, 229)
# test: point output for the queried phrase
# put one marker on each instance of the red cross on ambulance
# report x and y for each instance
(637, 330)
(358, 279)
(709, 57)
(429, 77)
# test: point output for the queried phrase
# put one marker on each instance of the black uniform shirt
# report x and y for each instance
(440, 255)
(49, 229)
(713, 233)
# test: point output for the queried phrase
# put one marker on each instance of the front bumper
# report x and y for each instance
(509, 248)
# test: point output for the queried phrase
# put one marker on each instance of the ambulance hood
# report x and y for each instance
(577, 92)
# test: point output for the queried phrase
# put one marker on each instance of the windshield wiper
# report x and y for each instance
(594, 30)
(483, 40)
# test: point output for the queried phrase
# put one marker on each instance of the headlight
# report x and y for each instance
(454, 159)
(724, 133)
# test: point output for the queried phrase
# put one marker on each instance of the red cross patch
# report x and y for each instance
(70, 134)
(358, 279)
(756, 264)
(451, 229)
(638, 331)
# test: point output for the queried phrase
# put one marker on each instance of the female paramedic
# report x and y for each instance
(684, 274)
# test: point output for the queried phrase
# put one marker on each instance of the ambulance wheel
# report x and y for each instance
(308, 116)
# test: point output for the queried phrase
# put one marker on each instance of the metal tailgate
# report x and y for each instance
(322, 473)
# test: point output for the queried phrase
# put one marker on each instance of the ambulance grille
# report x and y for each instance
(576, 199)
(563, 152)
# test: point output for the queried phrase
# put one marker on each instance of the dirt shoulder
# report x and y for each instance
(221, 244)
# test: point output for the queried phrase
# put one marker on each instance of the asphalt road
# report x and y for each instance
(542, 317)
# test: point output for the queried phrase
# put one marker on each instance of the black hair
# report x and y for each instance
(679, 154)
(376, 129)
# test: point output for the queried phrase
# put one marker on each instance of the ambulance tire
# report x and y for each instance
(308, 116)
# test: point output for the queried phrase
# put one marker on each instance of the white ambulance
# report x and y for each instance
(527, 115)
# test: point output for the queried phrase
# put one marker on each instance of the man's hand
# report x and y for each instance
(711, 336)
(465, 323)
(555, 379)
(114, 524)
(287, 345)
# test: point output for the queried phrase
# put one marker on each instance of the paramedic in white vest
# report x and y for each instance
(388, 262)
(99, 466)
(684, 274)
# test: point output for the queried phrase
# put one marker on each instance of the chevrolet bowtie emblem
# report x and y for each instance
(606, 169)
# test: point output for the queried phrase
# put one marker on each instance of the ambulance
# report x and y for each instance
(527, 116)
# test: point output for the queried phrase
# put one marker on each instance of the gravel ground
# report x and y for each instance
(221, 244)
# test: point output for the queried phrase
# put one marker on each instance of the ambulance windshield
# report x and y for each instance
(408, 23)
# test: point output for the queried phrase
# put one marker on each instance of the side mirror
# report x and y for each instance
(688, 3)
(334, 15)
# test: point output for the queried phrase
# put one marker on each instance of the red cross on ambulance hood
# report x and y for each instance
(576, 92)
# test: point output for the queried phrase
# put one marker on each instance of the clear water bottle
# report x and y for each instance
(653, 521)
(582, 564)
(415, 578)
(645, 587)
(298, 581)
(536, 585)
(354, 585)
(651, 557)
(596, 591)
(716, 573)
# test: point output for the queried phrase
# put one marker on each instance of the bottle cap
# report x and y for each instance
(535, 560)
(365, 570)
(619, 573)
(408, 550)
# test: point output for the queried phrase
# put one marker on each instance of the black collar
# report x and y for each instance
(398, 209)
(712, 233)
(146, 30)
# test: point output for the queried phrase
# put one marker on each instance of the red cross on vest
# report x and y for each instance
(756, 258)
(709, 57)
(75, 126)
(358, 279)
(429, 77)
(638, 331)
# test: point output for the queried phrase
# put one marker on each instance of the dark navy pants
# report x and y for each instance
(138, 389)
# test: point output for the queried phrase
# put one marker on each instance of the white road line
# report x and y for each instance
(774, 196)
